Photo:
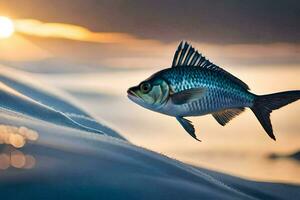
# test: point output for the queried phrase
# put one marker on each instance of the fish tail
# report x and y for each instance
(265, 104)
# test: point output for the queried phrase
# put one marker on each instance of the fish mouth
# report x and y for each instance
(131, 93)
(133, 96)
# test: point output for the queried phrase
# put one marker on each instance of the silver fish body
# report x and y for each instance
(220, 93)
(194, 86)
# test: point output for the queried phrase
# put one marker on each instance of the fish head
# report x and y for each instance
(152, 93)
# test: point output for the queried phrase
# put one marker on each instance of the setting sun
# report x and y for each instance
(6, 27)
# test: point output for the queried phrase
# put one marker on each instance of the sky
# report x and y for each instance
(145, 33)
(214, 21)
(256, 40)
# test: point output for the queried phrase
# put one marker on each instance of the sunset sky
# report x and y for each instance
(145, 33)
(94, 50)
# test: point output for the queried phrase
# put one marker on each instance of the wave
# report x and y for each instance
(23, 94)
(72, 164)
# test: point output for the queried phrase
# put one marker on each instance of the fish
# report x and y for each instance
(194, 86)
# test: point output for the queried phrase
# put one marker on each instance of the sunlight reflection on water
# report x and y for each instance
(12, 137)
(16, 136)
(16, 159)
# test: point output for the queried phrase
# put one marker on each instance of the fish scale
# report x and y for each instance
(221, 92)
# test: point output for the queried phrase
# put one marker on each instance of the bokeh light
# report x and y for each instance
(13, 137)
(4, 161)
(16, 159)
(16, 136)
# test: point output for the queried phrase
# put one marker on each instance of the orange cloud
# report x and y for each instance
(132, 51)
(72, 32)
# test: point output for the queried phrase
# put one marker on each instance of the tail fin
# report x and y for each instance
(265, 104)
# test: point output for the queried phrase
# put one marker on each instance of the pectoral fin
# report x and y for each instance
(187, 96)
(224, 116)
(188, 126)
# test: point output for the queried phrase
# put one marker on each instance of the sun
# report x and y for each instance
(6, 27)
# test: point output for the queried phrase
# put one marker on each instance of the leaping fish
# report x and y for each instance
(194, 86)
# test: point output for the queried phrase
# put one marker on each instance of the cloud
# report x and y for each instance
(222, 22)
(38, 40)
(159, 55)
(72, 32)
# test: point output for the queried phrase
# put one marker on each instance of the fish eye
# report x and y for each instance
(145, 87)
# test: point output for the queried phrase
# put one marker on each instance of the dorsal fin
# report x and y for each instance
(187, 56)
